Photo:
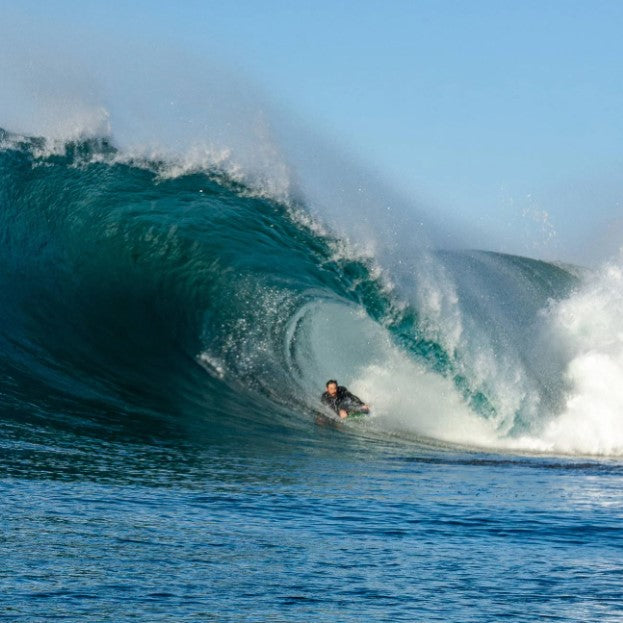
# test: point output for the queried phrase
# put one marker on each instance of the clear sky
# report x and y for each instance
(505, 115)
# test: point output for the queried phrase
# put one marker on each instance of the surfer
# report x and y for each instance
(342, 401)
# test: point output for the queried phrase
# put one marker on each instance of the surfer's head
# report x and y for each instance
(332, 387)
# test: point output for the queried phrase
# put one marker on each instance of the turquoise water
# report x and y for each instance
(164, 341)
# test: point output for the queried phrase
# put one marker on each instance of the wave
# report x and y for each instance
(138, 287)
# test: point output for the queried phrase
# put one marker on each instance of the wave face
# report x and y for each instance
(133, 294)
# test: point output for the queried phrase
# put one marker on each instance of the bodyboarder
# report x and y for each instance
(340, 400)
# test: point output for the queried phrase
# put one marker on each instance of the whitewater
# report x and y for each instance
(177, 286)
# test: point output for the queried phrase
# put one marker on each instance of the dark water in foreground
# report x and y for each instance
(338, 530)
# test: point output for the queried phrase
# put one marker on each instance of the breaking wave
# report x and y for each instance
(138, 287)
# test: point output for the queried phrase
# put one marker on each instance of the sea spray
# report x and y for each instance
(587, 329)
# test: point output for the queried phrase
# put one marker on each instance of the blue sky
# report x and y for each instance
(504, 115)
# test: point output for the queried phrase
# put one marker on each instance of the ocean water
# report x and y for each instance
(165, 334)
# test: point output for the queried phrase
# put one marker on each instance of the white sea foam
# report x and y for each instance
(587, 328)
(406, 397)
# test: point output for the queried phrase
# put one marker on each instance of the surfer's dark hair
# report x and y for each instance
(330, 381)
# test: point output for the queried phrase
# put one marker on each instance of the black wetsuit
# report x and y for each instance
(343, 399)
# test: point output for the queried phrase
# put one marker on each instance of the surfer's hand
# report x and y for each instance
(343, 413)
